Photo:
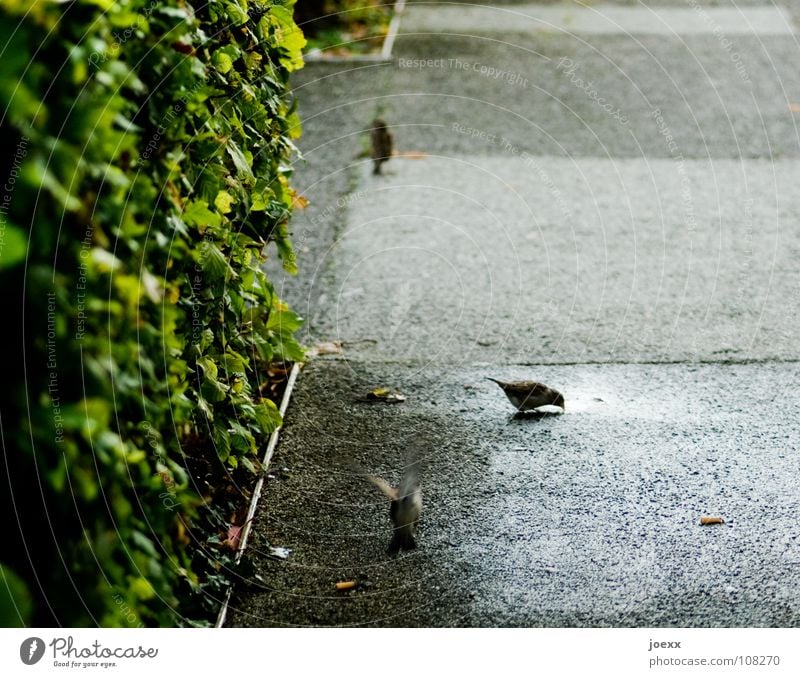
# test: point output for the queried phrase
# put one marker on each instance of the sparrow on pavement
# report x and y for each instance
(530, 395)
(405, 508)
(381, 139)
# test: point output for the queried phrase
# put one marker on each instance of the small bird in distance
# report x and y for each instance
(382, 145)
(530, 395)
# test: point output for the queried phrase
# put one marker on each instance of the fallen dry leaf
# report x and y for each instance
(385, 395)
(234, 535)
(707, 519)
(299, 201)
(279, 369)
(346, 585)
(326, 348)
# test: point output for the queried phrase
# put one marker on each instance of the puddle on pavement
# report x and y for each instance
(586, 403)
(579, 405)
(590, 394)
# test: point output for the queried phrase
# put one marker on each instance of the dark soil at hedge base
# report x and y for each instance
(585, 519)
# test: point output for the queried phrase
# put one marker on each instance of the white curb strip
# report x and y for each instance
(273, 441)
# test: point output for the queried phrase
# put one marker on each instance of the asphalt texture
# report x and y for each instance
(613, 215)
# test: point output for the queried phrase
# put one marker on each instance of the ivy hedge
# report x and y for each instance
(146, 172)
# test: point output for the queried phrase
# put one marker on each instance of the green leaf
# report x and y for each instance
(265, 349)
(142, 588)
(223, 201)
(198, 214)
(236, 12)
(206, 340)
(16, 605)
(290, 38)
(144, 543)
(88, 416)
(286, 254)
(243, 167)
(208, 366)
(247, 463)
(234, 363)
(260, 196)
(40, 176)
(284, 321)
(213, 391)
(213, 262)
(13, 245)
(294, 125)
(222, 441)
(288, 349)
(205, 406)
(222, 62)
(268, 416)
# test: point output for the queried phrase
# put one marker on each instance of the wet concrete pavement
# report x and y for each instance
(589, 518)
(645, 267)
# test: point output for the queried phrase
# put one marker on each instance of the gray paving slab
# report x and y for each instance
(560, 94)
(527, 259)
(546, 97)
(586, 519)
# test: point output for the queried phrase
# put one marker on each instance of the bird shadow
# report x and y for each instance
(535, 415)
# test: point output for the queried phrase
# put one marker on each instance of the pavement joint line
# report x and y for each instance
(251, 510)
(601, 20)
(569, 363)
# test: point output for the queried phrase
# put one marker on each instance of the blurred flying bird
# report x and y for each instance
(405, 508)
(381, 139)
(530, 395)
